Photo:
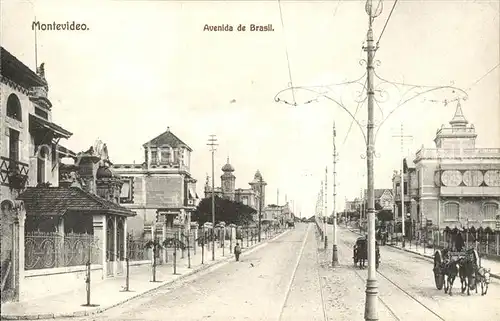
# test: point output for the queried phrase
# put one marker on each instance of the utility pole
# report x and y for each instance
(260, 206)
(402, 138)
(320, 210)
(326, 198)
(371, 311)
(335, 258)
(212, 142)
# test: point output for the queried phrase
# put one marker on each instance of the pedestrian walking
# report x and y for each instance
(237, 251)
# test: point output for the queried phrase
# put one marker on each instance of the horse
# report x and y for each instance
(468, 272)
(450, 272)
(483, 275)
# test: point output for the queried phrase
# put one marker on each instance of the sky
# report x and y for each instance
(143, 66)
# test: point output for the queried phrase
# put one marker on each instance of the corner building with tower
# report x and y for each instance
(248, 196)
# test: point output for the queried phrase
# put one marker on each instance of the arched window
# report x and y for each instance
(490, 211)
(14, 108)
(451, 211)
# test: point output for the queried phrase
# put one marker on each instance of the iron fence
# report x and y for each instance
(137, 250)
(51, 250)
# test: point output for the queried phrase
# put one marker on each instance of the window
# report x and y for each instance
(490, 211)
(451, 211)
(398, 189)
(13, 144)
(245, 200)
(176, 155)
(14, 108)
(165, 155)
(154, 157)
(405, 186)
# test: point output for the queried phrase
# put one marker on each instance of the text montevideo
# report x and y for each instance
(58, 26)
(240, 27)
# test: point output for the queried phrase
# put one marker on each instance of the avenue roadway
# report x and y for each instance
(289, 279)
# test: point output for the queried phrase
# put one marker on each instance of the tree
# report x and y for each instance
(385, 215)
(225, 211)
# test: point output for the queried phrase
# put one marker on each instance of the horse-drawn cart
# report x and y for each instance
(360, 252)
(466, 265)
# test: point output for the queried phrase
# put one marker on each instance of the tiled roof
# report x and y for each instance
(57, 201)
(167, 138)
(13, 69)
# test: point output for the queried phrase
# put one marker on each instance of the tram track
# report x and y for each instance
(399, 288)
(292, 279)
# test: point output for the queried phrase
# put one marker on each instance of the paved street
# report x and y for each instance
(291, 280)
(254, 289)
(406, 287)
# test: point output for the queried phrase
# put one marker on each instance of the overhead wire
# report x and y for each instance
(286, 52)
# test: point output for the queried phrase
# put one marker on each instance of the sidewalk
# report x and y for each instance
(429, 254)
(110, 292)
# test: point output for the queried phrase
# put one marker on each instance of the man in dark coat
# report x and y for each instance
(459, 242)
(237, 251)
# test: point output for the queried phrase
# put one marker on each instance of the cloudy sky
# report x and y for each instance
(144, 65)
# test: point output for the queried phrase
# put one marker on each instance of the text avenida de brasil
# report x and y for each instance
(240, 27)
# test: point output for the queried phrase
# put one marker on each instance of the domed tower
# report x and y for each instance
(228, 181)
(255, 184)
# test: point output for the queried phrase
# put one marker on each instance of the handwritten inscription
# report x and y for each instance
(240, 27)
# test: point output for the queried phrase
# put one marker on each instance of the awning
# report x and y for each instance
(38, 122)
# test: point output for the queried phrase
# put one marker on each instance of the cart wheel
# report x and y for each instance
(438, 276)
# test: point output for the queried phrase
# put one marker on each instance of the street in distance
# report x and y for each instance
(241, 27)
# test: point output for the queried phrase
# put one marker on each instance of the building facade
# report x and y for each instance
(51, 223)
(161, 190)
(248, 196)
(410, 187)
(457, 181)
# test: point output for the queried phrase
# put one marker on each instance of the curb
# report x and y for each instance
(91, 312)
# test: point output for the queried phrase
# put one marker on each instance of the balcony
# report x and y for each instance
(440, 153)
(13, 173)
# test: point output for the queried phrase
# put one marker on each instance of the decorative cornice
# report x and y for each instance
(15, 86)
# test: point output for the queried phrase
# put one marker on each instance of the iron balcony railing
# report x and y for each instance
(13, 173)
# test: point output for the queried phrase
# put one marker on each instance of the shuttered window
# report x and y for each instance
(451, 211)
(490, 211)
